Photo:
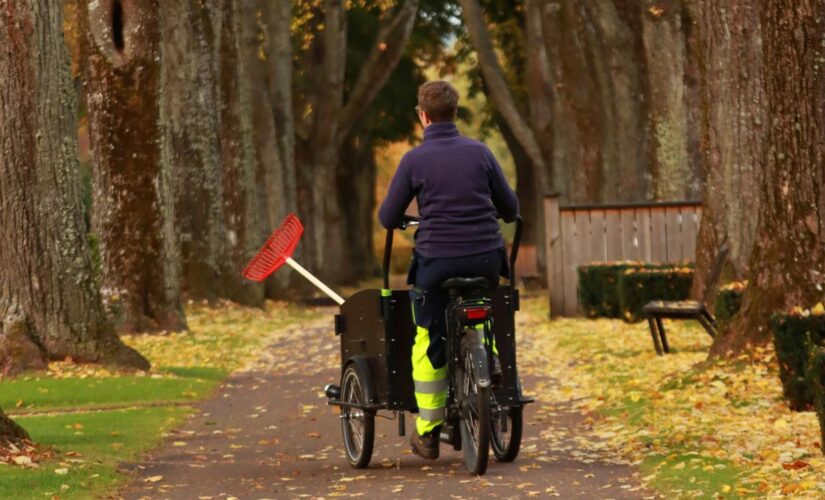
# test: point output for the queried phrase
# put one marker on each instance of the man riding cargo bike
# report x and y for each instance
(461, 192)
(445, 349)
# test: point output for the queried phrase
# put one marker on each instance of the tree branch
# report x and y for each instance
(382, 60)
(494, 78)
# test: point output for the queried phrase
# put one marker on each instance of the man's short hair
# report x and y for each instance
(439, 100)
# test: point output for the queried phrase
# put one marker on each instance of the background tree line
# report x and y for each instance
(209, 120)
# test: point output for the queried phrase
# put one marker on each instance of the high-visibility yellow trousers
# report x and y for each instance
(430, 384)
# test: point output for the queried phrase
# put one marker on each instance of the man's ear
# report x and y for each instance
(425, 119)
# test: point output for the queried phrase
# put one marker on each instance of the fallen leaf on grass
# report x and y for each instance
(795, 465)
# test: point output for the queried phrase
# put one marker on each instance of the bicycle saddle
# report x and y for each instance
(466, 283)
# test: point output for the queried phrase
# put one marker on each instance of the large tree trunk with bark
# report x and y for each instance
(664, 33)
(241, 180)
(600, 143)
(49, 304)
(733, 110)
(788, 264)
(320, 150)
(133, 212)
(191, 146)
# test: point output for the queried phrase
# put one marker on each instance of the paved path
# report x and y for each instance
(268, 433)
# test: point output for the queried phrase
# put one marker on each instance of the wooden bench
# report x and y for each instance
(658, 310)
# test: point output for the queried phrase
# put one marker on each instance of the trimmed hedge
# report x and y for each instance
(729, 300)
(637, 287)
(816, 377)
(599, 286)
(795, 335)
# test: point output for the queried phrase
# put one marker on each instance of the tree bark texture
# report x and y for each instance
(734, 117)
(788, 264)
(49, 304)
(265, 27)
(133, 209)
(600, 145)
(610, 87)
(664, 33)
(191, 150)
(241, 180)
(278, 46)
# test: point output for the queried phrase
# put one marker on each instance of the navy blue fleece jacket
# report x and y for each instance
(460, 189)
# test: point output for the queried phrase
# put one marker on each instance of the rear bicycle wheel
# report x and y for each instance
(474, 402)
(357, 424)
(505, 433)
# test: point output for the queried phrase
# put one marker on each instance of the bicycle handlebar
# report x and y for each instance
(409, 220)
(412, 220)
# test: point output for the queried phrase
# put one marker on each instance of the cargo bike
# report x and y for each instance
(376, 331)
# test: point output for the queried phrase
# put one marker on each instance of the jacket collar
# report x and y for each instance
(440, 130)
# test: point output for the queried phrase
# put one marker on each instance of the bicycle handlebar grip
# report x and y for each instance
(407, 220)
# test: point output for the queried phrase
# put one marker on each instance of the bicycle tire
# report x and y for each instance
(474, 402)
(505, 433)
(357, 425)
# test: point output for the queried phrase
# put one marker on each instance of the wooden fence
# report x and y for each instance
(579, 235)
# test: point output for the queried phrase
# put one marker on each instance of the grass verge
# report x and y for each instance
(95, 419)
(693, 428)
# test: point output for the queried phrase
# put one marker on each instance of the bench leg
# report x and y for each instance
(707, 322)
(662, 334)
(655, 334)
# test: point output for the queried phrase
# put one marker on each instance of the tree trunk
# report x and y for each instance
(357, 168)
(49, 304)
(9, 430)
(279, 83)
(498, 90)
(133, 212)
(733, 109)
(788, 264)
(273, 135)
(529, 199)
(191, 145)
(666, 57)
(332, 123)
(241, 182)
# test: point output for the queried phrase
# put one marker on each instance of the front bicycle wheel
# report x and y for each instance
(357, 424)
(474, 402)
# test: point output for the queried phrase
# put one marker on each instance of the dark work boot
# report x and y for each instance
(426, 446)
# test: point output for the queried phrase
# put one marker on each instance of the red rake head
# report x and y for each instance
(277, 248)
